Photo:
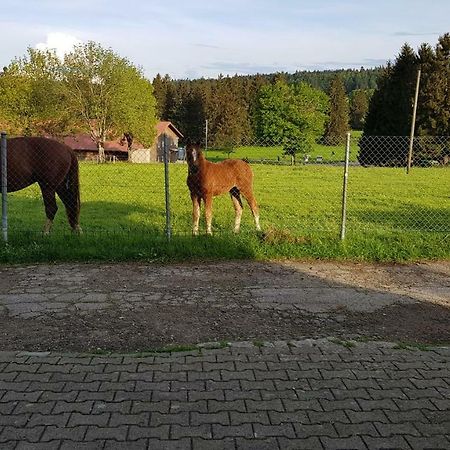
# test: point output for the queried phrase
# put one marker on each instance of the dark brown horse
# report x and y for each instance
(207, 180)
(53, 166)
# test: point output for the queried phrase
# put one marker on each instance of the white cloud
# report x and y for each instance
(62, 43)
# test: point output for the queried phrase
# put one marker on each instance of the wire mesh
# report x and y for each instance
(297, 192)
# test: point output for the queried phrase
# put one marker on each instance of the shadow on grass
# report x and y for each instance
(406, 217)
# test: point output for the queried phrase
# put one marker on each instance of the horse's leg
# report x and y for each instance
(248, 195)
(238, 214)
(237, 203)
(48, 195)
(208, 213)
(195, 214)
(71, 209)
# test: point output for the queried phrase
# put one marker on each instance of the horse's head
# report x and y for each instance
(193, 154)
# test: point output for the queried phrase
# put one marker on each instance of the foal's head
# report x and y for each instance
(193, 154)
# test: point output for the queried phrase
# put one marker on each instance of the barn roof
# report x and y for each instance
(161, 127)
(84, 142)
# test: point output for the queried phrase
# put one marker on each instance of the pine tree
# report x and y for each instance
(359, 104)
(390, 111)
(337, 125)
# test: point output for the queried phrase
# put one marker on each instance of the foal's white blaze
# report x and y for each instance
(194, 155)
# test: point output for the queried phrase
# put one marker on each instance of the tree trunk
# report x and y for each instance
(101, 152)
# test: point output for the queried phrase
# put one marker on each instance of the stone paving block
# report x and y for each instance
(397, 442)
(212, 375)
(302, 405)
(343, 394)
(305, 430)
(391, 429)
(367, 416)
(84, 407)
(384, 404)
(431, 429)
(14, 420)
(221, 431)
(70, 445)
(264, 405)
(146, 406)
(141, 444)
(59, 396)
(118, 433)
(59, 420)
(311, 443)
(231, 395)
(100, 420)
(354, 442)
(221, 418)
(434, 442)
(140, 419)
(201, 431)
(356, 429)
(235, 405)
(136, 432)
(256, 444)
(284, 429)
(180, 418)
(239, 418)
(21, 434)
(206, 395)
(252, 385)
(99, 396)
(330, 416)
(216, 444)
(53, 445)
(112, 377)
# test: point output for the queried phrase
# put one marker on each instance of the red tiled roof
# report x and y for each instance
(162, 126)
(84, 142)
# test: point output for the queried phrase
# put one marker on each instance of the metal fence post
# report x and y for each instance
(344, 188)
(4, 183)
(166, 184)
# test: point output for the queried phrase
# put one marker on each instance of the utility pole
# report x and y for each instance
(413, 123)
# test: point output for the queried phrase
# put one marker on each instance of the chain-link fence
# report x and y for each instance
(298, 188)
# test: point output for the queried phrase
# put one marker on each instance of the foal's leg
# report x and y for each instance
(208, 213)
(195, 214)
(48, 194)
(248, 195)
(237, 203)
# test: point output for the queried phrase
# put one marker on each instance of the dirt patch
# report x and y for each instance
(134, 307)
(151, 328)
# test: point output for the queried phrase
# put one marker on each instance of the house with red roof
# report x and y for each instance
(119, 149)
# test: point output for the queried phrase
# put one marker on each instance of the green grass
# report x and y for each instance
(274, 153)
(391, 217)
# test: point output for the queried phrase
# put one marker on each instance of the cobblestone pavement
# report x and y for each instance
(282, 395)
(64, 289)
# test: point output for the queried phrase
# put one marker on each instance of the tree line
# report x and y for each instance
(239, 109)
(391, 106)
(94, 90)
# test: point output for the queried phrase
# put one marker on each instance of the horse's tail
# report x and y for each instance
(73, 193)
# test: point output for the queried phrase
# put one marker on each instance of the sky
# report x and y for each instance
(201, 38)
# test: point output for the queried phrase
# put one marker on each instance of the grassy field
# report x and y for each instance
(391, 216)
(327, 153)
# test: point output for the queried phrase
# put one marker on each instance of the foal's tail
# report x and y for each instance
(72, 194)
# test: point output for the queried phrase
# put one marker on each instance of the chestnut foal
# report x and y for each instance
(207, 180)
